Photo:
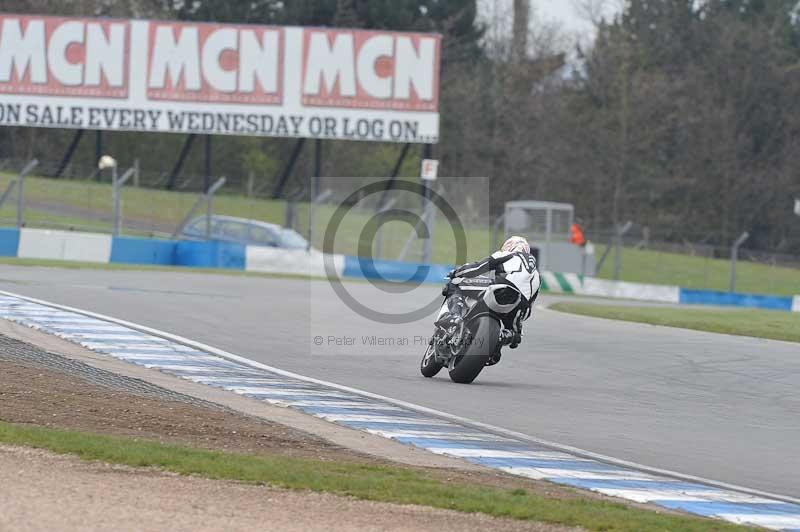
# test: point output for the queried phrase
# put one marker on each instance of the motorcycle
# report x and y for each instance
(469, 336)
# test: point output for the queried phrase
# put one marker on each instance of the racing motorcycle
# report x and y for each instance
(482, 314)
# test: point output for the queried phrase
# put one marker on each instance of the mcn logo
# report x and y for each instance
(371, 70)
(64, 57)
(219, 63)
(208, 62)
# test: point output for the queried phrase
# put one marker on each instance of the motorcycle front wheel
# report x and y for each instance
(429, 367)
(483, 339)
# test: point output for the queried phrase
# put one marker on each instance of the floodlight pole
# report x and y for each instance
(735, 257)
(21, 190)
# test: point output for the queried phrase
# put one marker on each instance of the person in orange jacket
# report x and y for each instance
(576, 235)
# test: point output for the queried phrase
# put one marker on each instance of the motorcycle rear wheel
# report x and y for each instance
(484, 337)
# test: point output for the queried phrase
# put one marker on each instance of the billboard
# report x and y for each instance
(165, 76)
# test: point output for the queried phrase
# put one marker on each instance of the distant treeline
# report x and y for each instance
(681, 116)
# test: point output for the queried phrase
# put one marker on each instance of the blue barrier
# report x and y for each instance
(216, 254)
(708, 297)
(395, 271)
(213, 254)
(143, 251)
(9, 242)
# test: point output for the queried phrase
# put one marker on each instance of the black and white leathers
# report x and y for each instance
(518, 268)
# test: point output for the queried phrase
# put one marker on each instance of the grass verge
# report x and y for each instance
(658, 267)
(773, 325)
(369, 482)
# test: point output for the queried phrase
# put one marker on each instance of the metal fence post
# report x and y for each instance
(21, 191)
(210, 204)
(379, 231)
(618, 249)
(735, 257)
(118, 182)
(204, 198)
(427, 209)
(314, 202)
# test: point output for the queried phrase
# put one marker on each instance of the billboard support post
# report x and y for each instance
(317, 166)
(384, 204)
(98, 148)
(21, 191)
(287, 170)
(315, 190)
(207, 165)
(176, 170)
(393, 177)
(73, 145)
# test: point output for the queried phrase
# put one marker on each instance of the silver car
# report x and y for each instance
(244, 231)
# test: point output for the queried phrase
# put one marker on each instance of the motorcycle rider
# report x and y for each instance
(513, 264)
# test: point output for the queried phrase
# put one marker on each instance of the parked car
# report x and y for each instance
(244, 231)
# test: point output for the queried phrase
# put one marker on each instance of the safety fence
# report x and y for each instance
(48, 244)
(143, 208)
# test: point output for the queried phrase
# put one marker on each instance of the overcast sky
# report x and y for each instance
(562, 12)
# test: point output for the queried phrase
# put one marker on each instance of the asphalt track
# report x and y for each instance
(715, 406)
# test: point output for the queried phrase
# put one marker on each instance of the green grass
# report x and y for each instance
(654, 267)
(166, 209)
(774, 325)
(369, 482)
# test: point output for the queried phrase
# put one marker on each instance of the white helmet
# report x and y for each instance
(516, 244)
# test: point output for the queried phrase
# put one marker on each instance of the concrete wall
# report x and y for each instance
(64, 245)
